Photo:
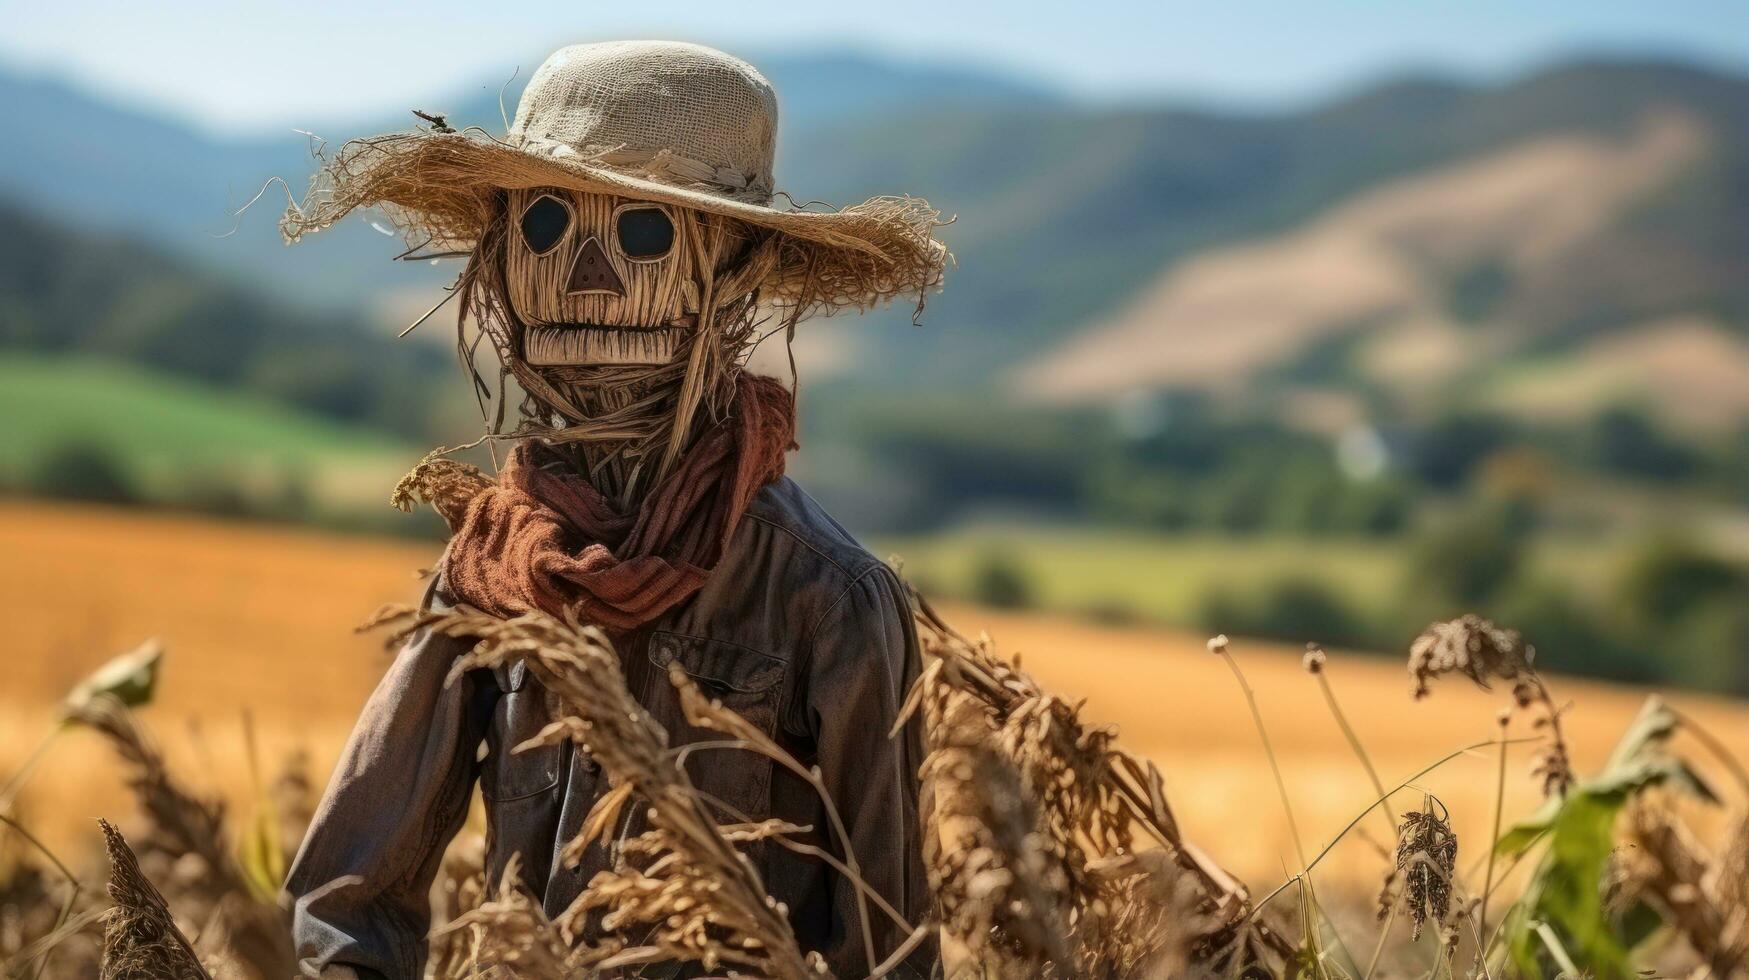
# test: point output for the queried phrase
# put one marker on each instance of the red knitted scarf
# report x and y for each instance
(547, 540)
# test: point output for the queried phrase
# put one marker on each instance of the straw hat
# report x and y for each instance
(660, 121)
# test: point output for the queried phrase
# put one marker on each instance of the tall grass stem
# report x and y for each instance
(1321, 855)
(1220, 647)
(1494, 834)
(1359, 751)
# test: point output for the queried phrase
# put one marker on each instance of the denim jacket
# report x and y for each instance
(799, 629)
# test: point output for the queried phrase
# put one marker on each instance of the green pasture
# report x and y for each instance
(1167, 578)
(164, 432)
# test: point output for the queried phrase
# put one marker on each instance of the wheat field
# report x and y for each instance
(258, 623)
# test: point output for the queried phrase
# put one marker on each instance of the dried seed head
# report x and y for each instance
(1554, 769)
(1468, 645)
(1426, 857)
(1314, 659)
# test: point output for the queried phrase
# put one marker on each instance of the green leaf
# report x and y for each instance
(130, 678)
(1561, 911)
(1564, 895)
(1641, 759)
(1521, 835)
(260, 853)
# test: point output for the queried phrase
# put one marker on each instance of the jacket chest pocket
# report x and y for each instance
(748, 683)
(524, 708)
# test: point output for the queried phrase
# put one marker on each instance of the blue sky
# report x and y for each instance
(253, 66)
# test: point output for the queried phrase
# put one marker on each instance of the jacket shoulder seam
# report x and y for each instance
(831, 607)
(804, 542)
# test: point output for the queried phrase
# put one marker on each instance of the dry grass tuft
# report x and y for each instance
(1003, 900)
(696, 898)
(460, 888)
(507, 933)
(448, 486)
(1476, 648)
(183, 826)
(140, 937)
(1094, 803)
(181, 821)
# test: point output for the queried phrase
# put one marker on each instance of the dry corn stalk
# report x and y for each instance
(697, 898)
(1095, 802)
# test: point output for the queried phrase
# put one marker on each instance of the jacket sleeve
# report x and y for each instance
(864, 657)
(400, 791)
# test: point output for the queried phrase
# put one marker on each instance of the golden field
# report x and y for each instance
(258, 621)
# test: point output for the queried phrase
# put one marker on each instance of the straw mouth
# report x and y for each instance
(589, 345)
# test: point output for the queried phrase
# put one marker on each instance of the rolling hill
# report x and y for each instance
(1548, 248)
(1529, 300)
(1541, 250)
(1069, 215)
(72, 293)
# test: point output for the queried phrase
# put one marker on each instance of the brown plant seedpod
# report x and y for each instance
(1426, 860)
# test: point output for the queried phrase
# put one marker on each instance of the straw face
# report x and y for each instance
(598, 280)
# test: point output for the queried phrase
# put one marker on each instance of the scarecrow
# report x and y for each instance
(623, 255)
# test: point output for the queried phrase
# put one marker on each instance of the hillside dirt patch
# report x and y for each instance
(1219, 317)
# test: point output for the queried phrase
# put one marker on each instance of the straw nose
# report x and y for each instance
(591, 272)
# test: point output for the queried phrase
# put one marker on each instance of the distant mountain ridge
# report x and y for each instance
(1065, 212)
(81, 160)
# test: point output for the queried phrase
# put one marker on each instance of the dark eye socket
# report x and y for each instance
(545, 223)
(645, 233)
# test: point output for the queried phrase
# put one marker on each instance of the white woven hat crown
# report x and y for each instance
(681, 114)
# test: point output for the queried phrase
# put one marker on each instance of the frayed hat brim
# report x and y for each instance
(443, 187)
